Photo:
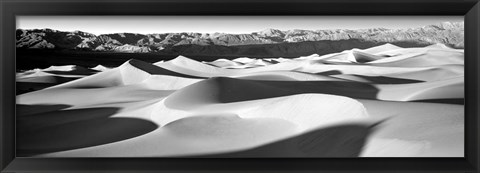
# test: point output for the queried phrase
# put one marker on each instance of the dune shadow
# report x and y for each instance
(456, 101)
(346, 140)
(23, 109)
(388, 80)
(156, 70)
(229, 90)
(330, 72)
(87, 87)
(364, 57)
(73, 72)
(26, 87)
(61, 130)
(30, 86)
(47, 79)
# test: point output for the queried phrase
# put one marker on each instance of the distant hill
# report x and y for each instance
(269, 42)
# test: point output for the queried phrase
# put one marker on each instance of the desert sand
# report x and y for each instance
(385, 101)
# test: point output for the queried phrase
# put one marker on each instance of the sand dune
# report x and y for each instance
(428, 59)
(232, 127)
(382, 48)
(361, 57)
(188, 66)
(38, 79)
(100, 68)
(384, 101)
(419, 129)
(224, 63)
(47, 79)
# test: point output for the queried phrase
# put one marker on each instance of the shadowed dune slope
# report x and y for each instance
(226, 90)
(79, 128)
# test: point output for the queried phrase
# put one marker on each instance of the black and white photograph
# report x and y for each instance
(240, 86)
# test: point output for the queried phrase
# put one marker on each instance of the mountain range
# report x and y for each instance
(269, 42)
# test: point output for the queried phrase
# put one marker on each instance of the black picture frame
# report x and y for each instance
(11, 8)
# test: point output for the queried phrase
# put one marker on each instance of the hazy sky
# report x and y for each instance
(226, 24)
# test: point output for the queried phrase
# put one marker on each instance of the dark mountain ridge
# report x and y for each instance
(448, 33)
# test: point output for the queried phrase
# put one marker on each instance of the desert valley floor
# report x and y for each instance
(385, 101)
